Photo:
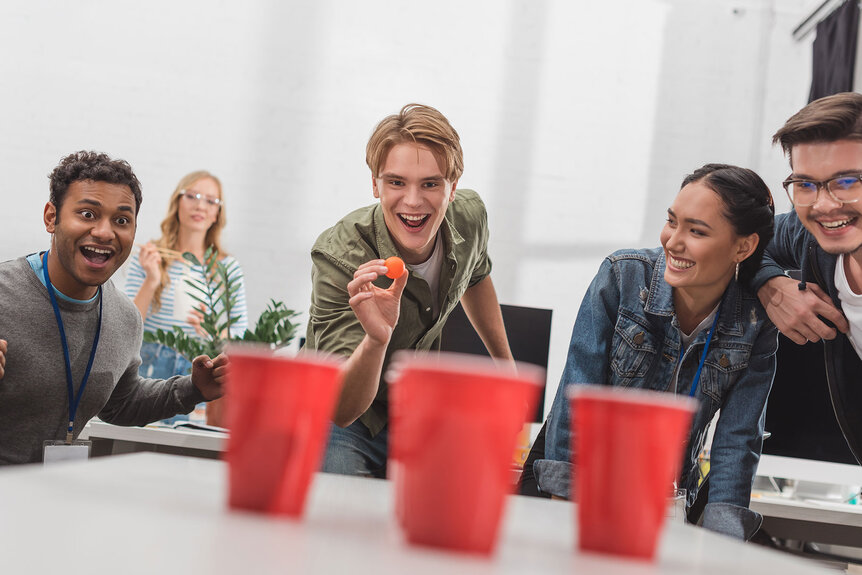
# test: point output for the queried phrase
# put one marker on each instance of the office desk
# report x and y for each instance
(114, 440)
(152, 513)
(811, 521)
(804, 519)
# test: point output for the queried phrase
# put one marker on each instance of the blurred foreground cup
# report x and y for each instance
(279, 416)
(627, 447)
(454, 423)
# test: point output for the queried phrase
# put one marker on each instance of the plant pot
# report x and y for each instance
(216, 412)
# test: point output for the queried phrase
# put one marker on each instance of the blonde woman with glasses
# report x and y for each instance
(155, 280)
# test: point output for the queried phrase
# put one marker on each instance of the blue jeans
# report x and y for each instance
(352, 451)
(161, 362)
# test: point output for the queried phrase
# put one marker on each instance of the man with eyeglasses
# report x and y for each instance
(822, 237)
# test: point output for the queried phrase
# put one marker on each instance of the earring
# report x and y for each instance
(736, 274)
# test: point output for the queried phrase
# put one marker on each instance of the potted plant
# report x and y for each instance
(217, 295)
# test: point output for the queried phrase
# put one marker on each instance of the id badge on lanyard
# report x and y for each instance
(69, 449)
(54, 451)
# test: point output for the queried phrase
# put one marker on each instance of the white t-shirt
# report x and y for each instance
(429, 270)
(686, 341)
(851, 305)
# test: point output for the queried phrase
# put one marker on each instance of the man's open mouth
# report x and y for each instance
(837, 224)
(414, 221)
(97, 255)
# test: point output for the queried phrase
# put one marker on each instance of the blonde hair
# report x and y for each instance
(422, 125)
(171, 227)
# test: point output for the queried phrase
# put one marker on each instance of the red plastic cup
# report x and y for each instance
(627, 450)
(278, 415)
(454, 422)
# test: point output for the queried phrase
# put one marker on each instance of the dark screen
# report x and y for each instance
(528, 329)
(799, 413)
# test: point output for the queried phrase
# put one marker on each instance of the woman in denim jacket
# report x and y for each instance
(646, 319)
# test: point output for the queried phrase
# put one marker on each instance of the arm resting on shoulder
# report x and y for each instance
(793, 311)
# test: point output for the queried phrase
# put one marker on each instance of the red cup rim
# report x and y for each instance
(309, 357)
(462, 363)
(629, 395)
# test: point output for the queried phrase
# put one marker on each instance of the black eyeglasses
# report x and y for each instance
(197, 197)
(845, 189)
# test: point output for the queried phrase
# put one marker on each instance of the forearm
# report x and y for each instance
(138, 401)
(361, 379)
(483, 310)
(784, 252)
(144, 297)
(739, 431)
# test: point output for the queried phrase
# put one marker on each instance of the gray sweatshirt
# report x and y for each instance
(34, 404)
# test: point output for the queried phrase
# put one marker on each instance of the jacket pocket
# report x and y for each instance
(634, 348)
(721, 368)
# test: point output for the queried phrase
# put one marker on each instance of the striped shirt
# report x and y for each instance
(177, 304)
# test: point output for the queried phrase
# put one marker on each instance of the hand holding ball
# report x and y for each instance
(394, 267)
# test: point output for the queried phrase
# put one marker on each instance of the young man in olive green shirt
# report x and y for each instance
(441, 233)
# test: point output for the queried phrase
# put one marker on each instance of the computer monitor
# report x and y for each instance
(528, 330)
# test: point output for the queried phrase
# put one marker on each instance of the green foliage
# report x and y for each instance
(274, 326)
(218, 296)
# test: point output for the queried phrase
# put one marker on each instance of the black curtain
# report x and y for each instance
(835, 51)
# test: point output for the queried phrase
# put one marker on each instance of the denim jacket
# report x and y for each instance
(794, 248)
(626, 334)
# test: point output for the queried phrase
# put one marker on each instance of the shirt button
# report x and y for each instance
(427, 309)
(723, 361)
(639, 338)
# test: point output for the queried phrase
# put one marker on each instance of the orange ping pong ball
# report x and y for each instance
(394, 267)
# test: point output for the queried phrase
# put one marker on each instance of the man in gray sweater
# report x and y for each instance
(69, 339)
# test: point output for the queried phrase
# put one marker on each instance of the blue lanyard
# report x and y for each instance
(73, 399)
(702, 355)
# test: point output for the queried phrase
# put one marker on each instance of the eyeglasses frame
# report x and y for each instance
(822, 184)
(197, 197)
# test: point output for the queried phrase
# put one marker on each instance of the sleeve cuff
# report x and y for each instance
(553, 477)
(765, 274)
(733, 520)
(190, 394)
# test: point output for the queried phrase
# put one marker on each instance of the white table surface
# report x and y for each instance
(154, 513)
(833, 513)
(185, 438)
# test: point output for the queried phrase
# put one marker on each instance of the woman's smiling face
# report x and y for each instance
(701, 247)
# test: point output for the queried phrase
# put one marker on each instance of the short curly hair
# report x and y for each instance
(94, 166)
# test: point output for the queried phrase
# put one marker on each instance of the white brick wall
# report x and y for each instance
(578, 119)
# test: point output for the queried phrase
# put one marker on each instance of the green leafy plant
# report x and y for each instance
(218, 295)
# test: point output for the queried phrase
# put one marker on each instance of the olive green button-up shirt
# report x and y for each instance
(362, 236)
